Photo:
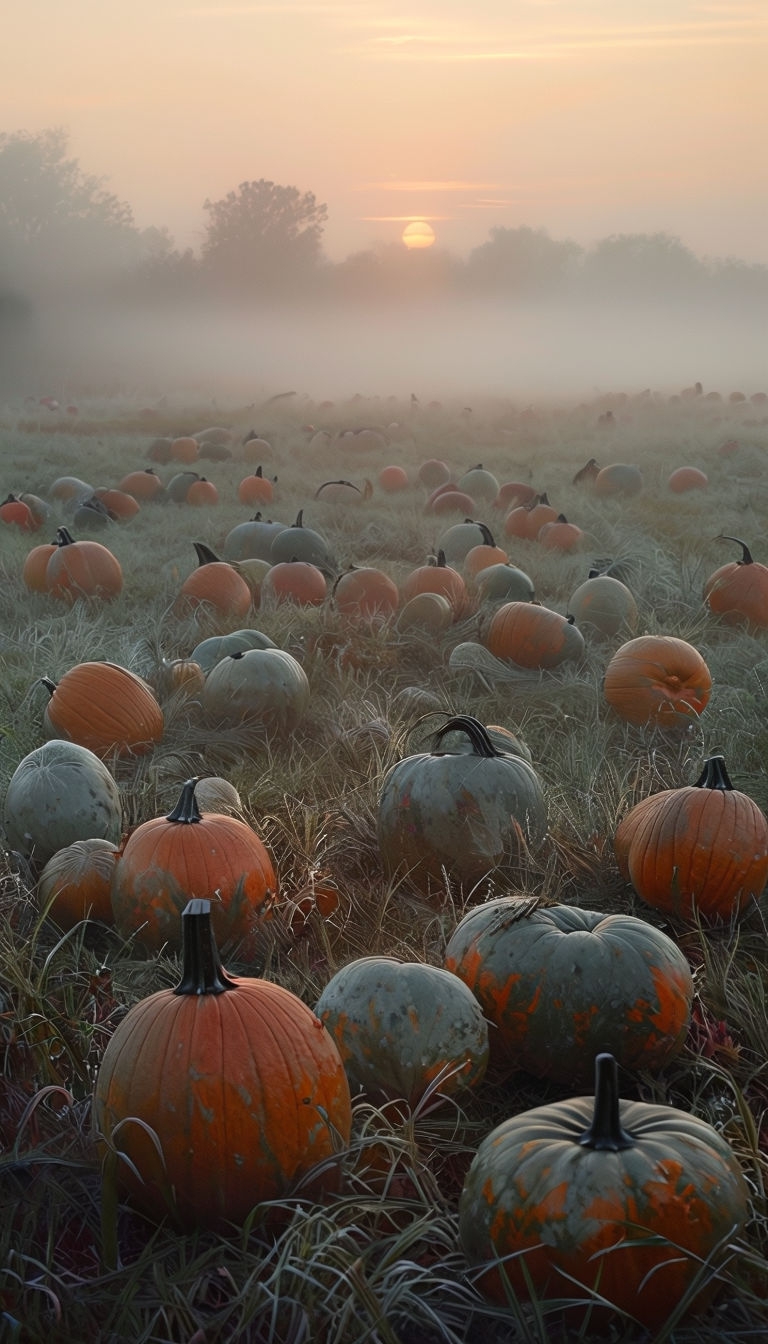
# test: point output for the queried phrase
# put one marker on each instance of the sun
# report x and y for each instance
(418, 234)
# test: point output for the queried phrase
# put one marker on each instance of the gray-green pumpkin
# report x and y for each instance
(210, 651)
(298, 542)
(251, 540)
(466, 815)
(479, 483)
(401, 1027)
(504, 583)
(264, 687)
(59, 793)
(604, 606)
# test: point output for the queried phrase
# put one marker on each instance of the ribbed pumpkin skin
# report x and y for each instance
(657, 679)
(58, 793)
(210, 651)
(533, 636)
(699, 849)
(535, 1194)
(261, 686)
(107, 709)
(165, 864)
(504, 583)
(76, 883)
(244, 1091)
(398, 1025)
(459, 811)
(605, 605)
(738, 592)
(561, 984)
(83, 569)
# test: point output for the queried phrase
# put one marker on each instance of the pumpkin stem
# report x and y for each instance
(714, 775)
(561, 518)
(442, 563)
(299, 519)
(205, 556)
(746, 554)
(186, 809)
(486, 534)
(202, 971)
(64, 537)
(351, 485)
(475, 730)
(605, 1134)
(49, 685)
(258, 472)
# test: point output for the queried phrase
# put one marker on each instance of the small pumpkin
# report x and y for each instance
(618, 479)
(436, 577)
(738, 591)
(613, 1201)
(298, 542)
(215, 586)
(188, 853)
(220, 1094)
(76, 883)
(683, 479)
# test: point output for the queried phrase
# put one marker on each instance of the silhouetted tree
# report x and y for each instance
(652, 265)
(522, 261)
(263, 237)
(57, 224)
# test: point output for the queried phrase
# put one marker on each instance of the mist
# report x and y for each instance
(449, 348)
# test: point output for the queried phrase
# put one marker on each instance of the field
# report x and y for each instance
(381, 1259)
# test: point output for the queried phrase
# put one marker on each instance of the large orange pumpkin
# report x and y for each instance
(738, 592)
(78, 569)
(533, 636)
(105, 708)
(215, 584)
(220, 1094)
(657, 679)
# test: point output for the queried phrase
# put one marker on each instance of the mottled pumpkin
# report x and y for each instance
(603, 1199)
(560, 984)
(657, 680)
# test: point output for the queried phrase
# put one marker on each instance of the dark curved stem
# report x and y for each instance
(205, 556)
(714, 775)
(488, 538)
(49, 685)
(746, 554)
(605, 1134)
(64, 537)
(475, 731)
(202, 971)
(186, 809)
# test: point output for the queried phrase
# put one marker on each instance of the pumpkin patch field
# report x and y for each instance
(383, 806)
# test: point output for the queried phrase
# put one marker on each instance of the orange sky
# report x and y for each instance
(582, 118)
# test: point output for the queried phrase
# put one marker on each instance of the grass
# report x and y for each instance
(381, 1260)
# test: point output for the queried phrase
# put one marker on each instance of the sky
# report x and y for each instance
(584, 119)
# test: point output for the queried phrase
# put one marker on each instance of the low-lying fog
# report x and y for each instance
(445, 349)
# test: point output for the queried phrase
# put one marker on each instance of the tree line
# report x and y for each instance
(61, 230)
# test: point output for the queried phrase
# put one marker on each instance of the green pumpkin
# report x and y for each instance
(468, 814)
(602, 1196)
(457, 541)
(298, 542)
(604, 605)
(479, 483)
(210, 651)
(401, 1027)
(561, 984)
(265, 687)
(251, 540)
(504, 583)
(59, 793)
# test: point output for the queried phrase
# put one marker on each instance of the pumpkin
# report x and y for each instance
(479, 483)
(178, 676)
(256, 489)
(436, 577)
(294, 581)
(485, 554)
(617, 479)
(700, 849)
(433, 472)
(78, 569)
(70, 488)
(219, 1094)
(457, 542)
(18, 514)
(263, 687)
(255, 448)
(393, 479)
(76, 883)
(34, 573)
(184, 449)
(188, 853)
(611, 1200)
(603, 605)
(40, 511)
(461, 814)
(178, 487)
(526, 520)
(451, 501)
(210, 651)
(251, 540)
(104, 707)
(401, 1027)
(120, 503)
(298, 542)
(143, 485)
(58, 793)
(504, 583)
(658, 680)
(91, 515)
(686, 478)
(366, 594)
(215, 585)
(560, 535)
(202, 493)
(738, 591)
(533, 636)
(343, 492)
(429, 613)
(512, 493)
(560, 983)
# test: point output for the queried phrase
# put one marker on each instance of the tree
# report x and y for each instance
(644, 265)
(57, 224)
(263, 237)
(524, 262)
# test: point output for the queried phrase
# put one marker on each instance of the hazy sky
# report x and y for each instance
(582, 118)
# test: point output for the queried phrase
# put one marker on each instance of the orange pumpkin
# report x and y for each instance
(78, 569)
(393, 479)
(436, 577)
(366, 593)
(687, 478)
(215, 585)
(76, 883)
(105, 708)
(256, 489)
(657, 679)
(560, 535)
(184, 449)
(739, 591)
(294, 581)
(533, 636)
(142, 484)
